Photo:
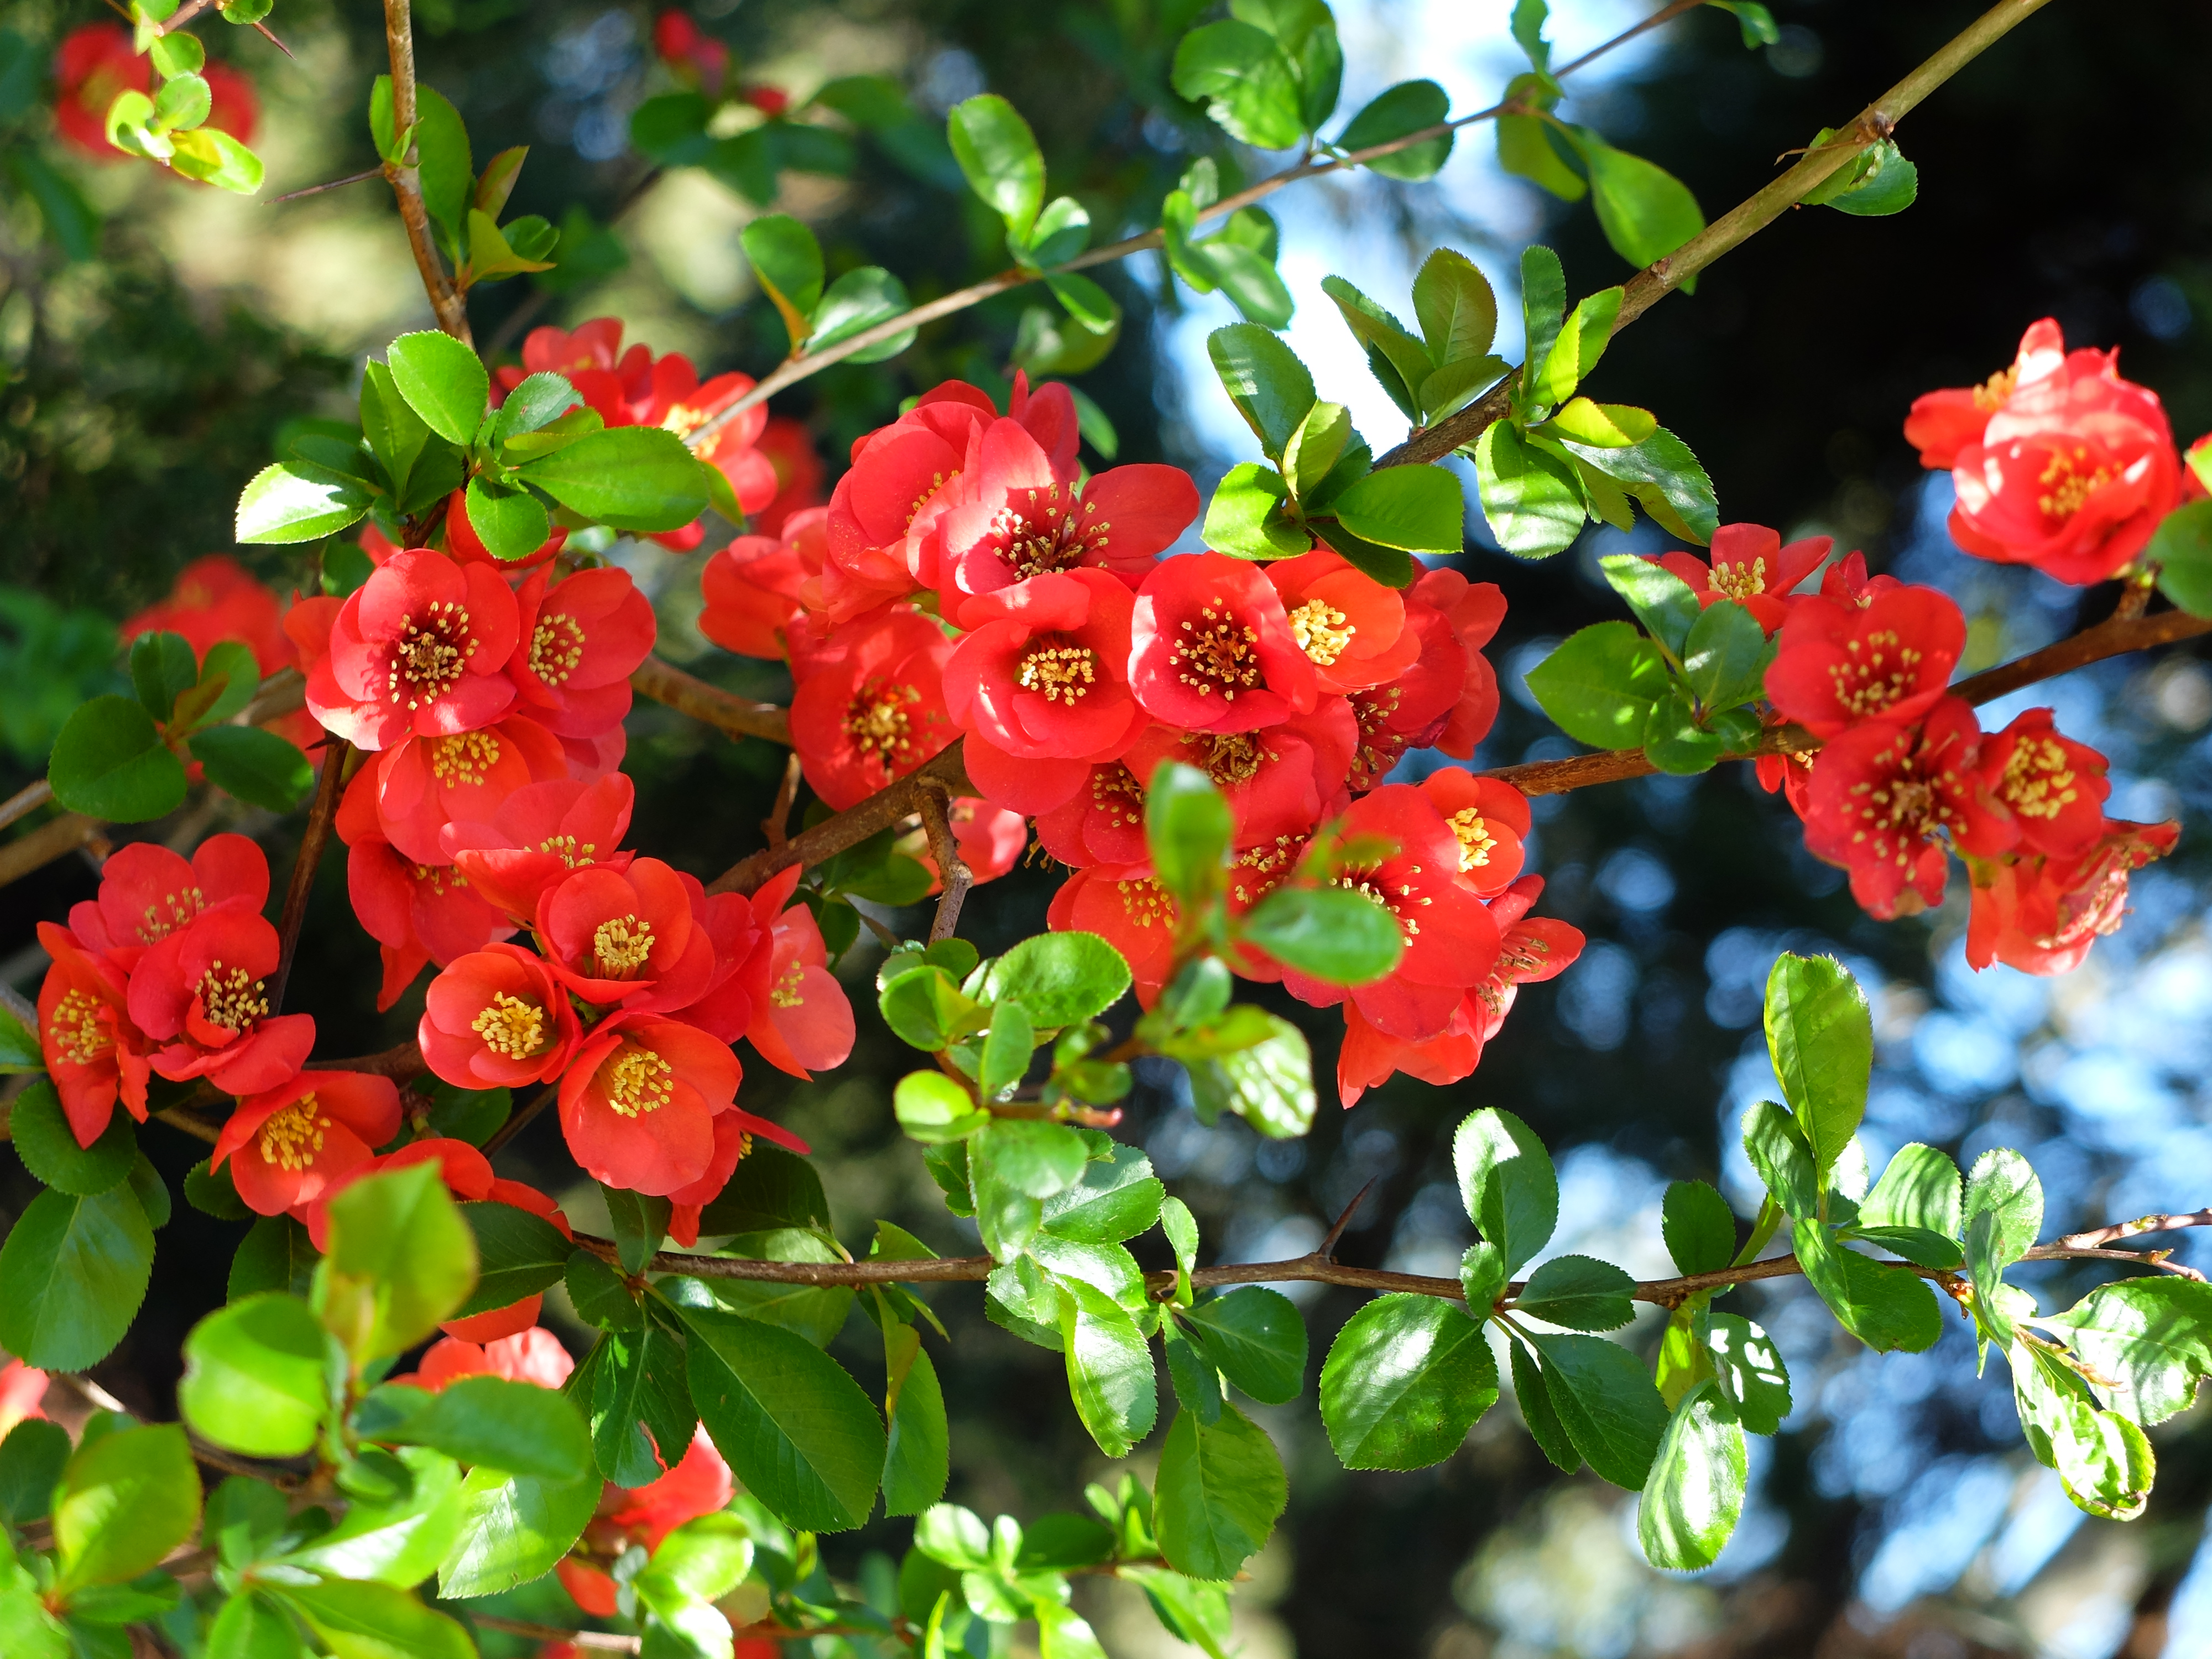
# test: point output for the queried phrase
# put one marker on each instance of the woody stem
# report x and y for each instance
(952, 869)
(313, 840)
(406, 179)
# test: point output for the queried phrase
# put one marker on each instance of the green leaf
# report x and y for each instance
(294, 501)
(1249, 516)
(1336, 934)
(1188, 826)
(1581, 342)
(1821, 1038)
(1482, 1277)
(639, 1403)
(699, 1563)
(1725, 657)
(917, 1456)
(511, 524)
(1920, 1188)
(1600, 685)
(1062, 979)
(513, 1529)
(1405, 1380)
(640, 1223)
(1645, 211)
(257, 767)
(1270, 388)
(631, 477)
(1666, 480)
(1456, 309)
(125, 1500)
(1180, 1229)
(817, 1312)
(1777, 1150)
(671, 129)
(1528, 29)
(252, 1627)
(999, 158)
(449, 171)
(2104, 1460)
(442, 381)
(787, 260)
(1399, 360)
(517, 1255)
(259, 1375)
(517, 1427)
(1417, 510)
(1109, 1368)
(1526, 149)
(216, 158)
(1507, 1182)
(789, 1420)
(276, 1255)
(1408, 107)
(1661, 600)
(2003, 1186)
(161, 665)
(109, 763)
(1532, 1392)
(1028, 1155)
(369, 1620)
(401, 1259)
(72, 224)
(19, 1050)
(1749, 1370)
(1580, 1292)
(1694, 1495)
(933, 1108)
(2149, 1341)
(47, 1145)
(1675, 741)
(1529, 496)
(1255, 1339)
(1753, 19)
(772, 1187)
(1196, 1380)
(1929, 1249)
(1699, 1227)
(1268, 1082)
(1248, 86)
(1885, 1307)
(31, 1459)
(1218, 1492)
(1116, 1198)
(72, 1274)
(1316, 446)
(857, 301)
(2181, 550)
(1607, 1403)
(1543, 303)
(397, 1540)
(1602, 426)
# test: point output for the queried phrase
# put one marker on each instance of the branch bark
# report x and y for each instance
(887, 807)
(313, 840)
(952, 871)
(406, 179)
(665, 683)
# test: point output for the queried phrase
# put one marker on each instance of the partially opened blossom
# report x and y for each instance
(1211, 648)
(2049, 789)
(694, 54)
(873, 708)
(199, 996)
(497, 1019)
(1279, 779)
(732, 1141)
(93, 1053)
(1885, 795)
(419, 649)
(1125, 905)
(1944, 422)
(1414, 710)
(758, 586)
(1841, 665)
(1846, 582)
(462, 543)
(802, 1022)
(1489, 819)
(626, 937)
(425, 784)
(148, 892)
(990, 839)
(213, 599)
(1351, 627)
(638, 1103)
(537, 836)
(1750, 565)
(580, 639)
(2042, 915)
(1474, 611)
(286, 1143)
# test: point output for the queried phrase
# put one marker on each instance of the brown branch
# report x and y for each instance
(665, 683)
(183, 1117)
(776, 826)
(56, 838)
(2097, 1237)
(952, 871)
(317, 190)
(517, 1122)
(284, 692)
(886, 807)
(406, 179)
(401, 1063)
(27, 799)
(313, 840)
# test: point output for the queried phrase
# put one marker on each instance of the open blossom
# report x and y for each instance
(1211, 648)
(1351, 626)
(148, 892)
(1125, 905)
(497, 1019)
(1489, 819)
(1884, 795)
(1840, 666)
(1942, 423)
(1846, 582)
(418, 914)
(1474, 611)
(758, 588)
(578, 642)
(424, 784)
(1416, 709)
(420, 648)
(2042, 915)
(2072, 472)
(2049, 789)
(801, 1020)
(532, 1355)
(871, 707)
(286, 1144)
(216, 599)
(638, 1103)
(22, 1387)
(93, 1053)
(626, 937)
(1750, 565)
(199, 996)
(1278, 780)
(1103, 822)
(537, 836)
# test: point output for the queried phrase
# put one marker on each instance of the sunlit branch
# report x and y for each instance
(406, 179)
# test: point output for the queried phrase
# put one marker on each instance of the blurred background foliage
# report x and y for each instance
(2065, 173)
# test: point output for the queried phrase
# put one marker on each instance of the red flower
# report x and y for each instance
(215, 599)
(199, 993)
(732, 1145)
(1125, 905)
(800, 474)
(626, 937)
(1418, 707)
(990, 839)
(1846, 582)
(1351, 626)
(1014, 513)
(1103, 822)
(21, 1391)
(757, 587)
(1840, 666)
(1279, 779)
(1751, 566)
(1884, 792)
(695, 55)
(286, 1143)
(537, 836)
(1211, 648)
(1489, 819)
(2041, 916)
(420, 648)
(2071, 474)
(427, 783)
(638, 1103)
(1944, 422)
(873, 708)
(700, 1484)
(530, 1355)
(93, 1052)
(416, 912)
(579, 641)
(1451, 941)
(148, 892)
(92, 66)
(801, 1021)
(1474, 611)
(497, 1019)
(2052, 788)
(463, 542)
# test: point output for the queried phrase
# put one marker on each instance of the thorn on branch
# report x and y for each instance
(317, 190)
(1326, 1249)
(776, 826)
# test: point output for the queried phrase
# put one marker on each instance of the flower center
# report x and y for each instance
(291, 1137)
(182, 907)
(637, 1081)
(1902, 807)
(1740, 581)
(1041, 535)
(1991, 393)
(1234, 758)
(232, 1000)
(1146, 904)
(566, 849)
(1880, 671)
(511, 1026)
(785, 992)
(1218, 655)
(878, 722)
(467, 760)
(936, 482)
(76, 1032)
(1322, 630)
(1380, 747)
(557, 646)
(620, 946)
(1115, 792)
(1475, 841)
(2069, 487)
(1356, 882)
(429, 659)
(1255, 869)
(2038, 783)
(1062, 672)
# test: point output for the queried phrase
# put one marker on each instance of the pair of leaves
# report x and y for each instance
(1449, 362)
(1268, 75)
(787, 260)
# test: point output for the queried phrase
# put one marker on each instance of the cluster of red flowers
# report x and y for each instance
(967, 579)
(94, 63)
(1905, 775)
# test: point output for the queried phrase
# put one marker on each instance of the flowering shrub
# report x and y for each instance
(1227, 722)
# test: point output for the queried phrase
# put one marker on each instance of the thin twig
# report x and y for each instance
(517, 1122)
(56, 838)
(27, 799)
(2097, 1237)
(776, 826)
(952, 871)
(887, 807)
(317, 190)
(313, 840)
(665, 683)
(406, 179)
(183, 1117)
